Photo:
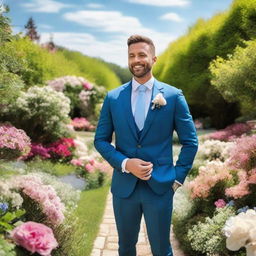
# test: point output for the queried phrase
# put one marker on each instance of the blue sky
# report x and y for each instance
(100, 28)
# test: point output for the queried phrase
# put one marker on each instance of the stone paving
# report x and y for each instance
(106, 243)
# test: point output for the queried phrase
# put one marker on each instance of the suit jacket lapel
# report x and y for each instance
(157, 88)
(126, 103)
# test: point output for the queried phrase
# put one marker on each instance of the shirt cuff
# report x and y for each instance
(124, 164)
(180, 184)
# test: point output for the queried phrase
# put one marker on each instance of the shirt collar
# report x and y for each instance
(149, 84)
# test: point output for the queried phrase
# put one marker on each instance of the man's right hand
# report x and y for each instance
(139, 168)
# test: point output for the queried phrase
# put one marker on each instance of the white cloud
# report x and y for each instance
(114, 50)
(180, 3)
(48, 6)
(121, 27)
(45, 26)
(109, 21)
(171, 16)
(96, 6)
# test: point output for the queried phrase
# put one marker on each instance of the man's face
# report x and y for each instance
(140, 59)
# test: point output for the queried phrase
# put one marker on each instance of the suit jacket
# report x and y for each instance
(154, 143)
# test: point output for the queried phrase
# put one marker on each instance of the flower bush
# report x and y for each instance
(42, 198)
(35, 237)
(222, 188)
(82, 124)
(94, 172)
(214, 149)
(10, 196)
(83, 95)
(243, 154)
(62, 150)
(230, 132)
(13, 142)
(209, 175)
(206, 237)
(41, 112)
(44, 195)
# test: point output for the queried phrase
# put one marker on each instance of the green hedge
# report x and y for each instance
(185, 64)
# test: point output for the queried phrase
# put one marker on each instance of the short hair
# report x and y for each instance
(133, 39)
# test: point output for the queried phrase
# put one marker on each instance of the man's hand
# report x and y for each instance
(139, 168)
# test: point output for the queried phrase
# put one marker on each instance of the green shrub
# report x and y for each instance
(6, 248)
(93, 69)
(41, 112)
(235, 77)
(185, 64)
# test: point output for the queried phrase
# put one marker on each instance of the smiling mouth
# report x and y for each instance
(138, 67)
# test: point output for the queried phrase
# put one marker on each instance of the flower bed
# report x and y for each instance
(223, 190)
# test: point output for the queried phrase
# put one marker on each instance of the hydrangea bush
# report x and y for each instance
(41, 112)
(49, 218)
(83, 95)
(13, 142)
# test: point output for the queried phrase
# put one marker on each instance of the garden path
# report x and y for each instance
(106, 243)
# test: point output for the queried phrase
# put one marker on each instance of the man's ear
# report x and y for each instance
(154, 59)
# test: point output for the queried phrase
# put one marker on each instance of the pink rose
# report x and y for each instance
(35, 237)
(87, 86)
(220, 203)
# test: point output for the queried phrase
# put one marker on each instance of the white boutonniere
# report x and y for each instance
(158, 101)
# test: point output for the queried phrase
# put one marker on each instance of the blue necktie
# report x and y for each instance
(139, 113)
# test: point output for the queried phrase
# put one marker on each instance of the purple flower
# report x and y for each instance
(4, 207)
(231, 203)
(243, 209)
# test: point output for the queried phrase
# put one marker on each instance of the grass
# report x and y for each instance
(58, 169)
(89, 212)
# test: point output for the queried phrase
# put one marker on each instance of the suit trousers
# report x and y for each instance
(157, 211)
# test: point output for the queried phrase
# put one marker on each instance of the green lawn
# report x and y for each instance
(89, 212)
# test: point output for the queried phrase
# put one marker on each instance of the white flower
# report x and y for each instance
(241, 232)
(158, 101)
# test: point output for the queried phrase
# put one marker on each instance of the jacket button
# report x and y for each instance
(138, 146)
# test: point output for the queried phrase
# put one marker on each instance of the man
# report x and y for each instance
(143, 113)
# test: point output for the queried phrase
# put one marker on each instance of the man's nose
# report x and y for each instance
(137, 59)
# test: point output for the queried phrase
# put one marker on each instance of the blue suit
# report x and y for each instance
(131, 196)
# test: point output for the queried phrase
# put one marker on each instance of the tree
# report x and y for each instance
(31, 30)
(235, 77)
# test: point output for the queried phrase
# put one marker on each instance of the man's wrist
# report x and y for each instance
(176, 185)
(124, 165)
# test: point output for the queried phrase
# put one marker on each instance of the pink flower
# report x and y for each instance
(220, 203)
(81, 123)
(89, 167)
(45, 195)
(38, 149)
(230, 132)
(243, 154)
(61, 150)
(35, 237)
(87, 86)
(209, 176)
(241, 189)
(77, 162)
(252, 176)
(13, 142)
(92, 162)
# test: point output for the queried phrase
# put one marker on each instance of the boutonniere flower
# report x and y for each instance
(158, 101)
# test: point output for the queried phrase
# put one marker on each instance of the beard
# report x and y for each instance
(144, 70)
